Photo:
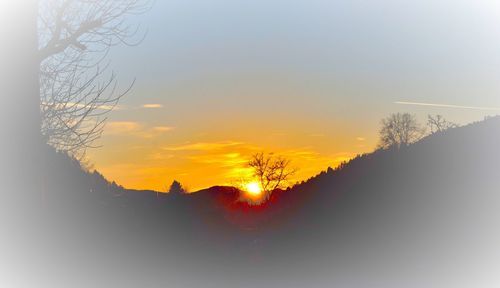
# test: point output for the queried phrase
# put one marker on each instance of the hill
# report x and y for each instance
(425, 215)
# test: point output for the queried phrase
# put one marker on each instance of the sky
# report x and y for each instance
(217, 81)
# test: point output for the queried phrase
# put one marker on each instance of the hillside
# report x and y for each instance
(423, 216)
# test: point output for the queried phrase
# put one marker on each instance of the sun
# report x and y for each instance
(253, 188)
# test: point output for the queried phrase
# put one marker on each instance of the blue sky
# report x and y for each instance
(374, 52)
(220, 68)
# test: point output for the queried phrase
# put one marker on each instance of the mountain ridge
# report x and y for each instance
(408, 217)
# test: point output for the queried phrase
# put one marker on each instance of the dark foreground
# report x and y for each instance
(423, 216)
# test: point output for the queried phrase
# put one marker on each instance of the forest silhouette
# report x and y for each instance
(414, 204)
(420, 211)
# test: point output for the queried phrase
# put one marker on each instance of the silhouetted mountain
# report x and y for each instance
(425, 215)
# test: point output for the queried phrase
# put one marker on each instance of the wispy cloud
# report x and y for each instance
(155, 131)
(447, 106)
(361, 139)
(160, 156)
(163, 128)
(300, 154)
(121, 127)
(220, 160)
(202, 146)
(107, 107)
(134, 129)
(73, 105)
(152, 106)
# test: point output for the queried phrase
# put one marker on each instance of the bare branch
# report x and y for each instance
(400, 130)
(75, 37)
(438, 124)
(272, 171)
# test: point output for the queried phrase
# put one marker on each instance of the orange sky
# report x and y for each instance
(217, 81)
(141, 156)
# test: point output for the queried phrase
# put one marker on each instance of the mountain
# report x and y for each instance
(425, 215)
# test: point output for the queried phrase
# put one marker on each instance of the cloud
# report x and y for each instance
(121, 127)
(152, 106)
(220, 159)
(160, 156)
(104, 107)
(135, 129)
(303, 154)
(73, 105)
(361, 139)
(202, 146)
(110, 107)
(163, 128)
(155, 131)
(447, 106)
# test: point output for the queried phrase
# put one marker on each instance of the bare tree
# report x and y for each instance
(400, 129)
(272, 171)
(74, 38)
(437, 123)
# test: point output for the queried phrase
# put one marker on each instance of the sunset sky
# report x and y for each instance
(217, 81)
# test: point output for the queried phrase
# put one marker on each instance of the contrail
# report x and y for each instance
(447, 106)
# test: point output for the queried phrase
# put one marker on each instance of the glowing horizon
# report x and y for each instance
(203, 164)
(309, 80)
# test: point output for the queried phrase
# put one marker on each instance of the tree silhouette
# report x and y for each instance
(74, 38)
(271, 171)
(437, 124)
(176, 189)
(400, 129)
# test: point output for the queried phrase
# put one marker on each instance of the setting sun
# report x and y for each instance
(253, 188)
